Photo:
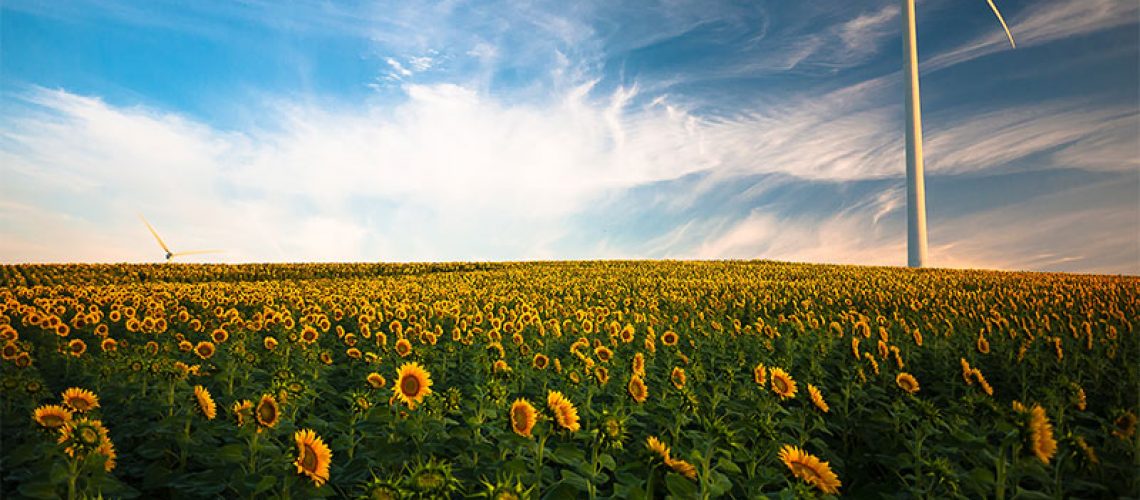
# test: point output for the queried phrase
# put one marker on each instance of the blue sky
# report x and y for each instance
(399, 131)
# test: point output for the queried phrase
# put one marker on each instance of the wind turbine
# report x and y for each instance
(169, 254)
(915, 178)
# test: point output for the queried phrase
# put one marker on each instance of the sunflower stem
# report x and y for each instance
(72, 476)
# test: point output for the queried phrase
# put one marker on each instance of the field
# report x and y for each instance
(566, 380)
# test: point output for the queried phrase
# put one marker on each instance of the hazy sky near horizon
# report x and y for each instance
(504, 130)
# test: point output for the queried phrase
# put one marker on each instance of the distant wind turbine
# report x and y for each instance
(169, 254)
(915, 179)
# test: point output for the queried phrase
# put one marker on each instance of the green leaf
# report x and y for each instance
(264, 484)
(679, 486)
(607, 461)
(40, 489)
(575, 480)
(232, 453)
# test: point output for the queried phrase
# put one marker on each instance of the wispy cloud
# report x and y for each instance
(1041, 23)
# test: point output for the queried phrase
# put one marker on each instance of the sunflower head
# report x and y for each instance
(376, 380)
(760, 374)
(683, 468)
(243, 412)
(433, 479)
(80, 400)
(413, 382)
(523, 417)
(564, 411)
(52, 416)
(677, 377)
(205, 349)
(637, 389)
(810, 469)
(1041, 439)
(82, 436)
(907, 382)
(783, 384)
(267, 412)
(817, 398)
(313, 456)
(205, 402)
(657, 447)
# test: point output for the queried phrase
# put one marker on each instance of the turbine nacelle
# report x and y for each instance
(170, 254)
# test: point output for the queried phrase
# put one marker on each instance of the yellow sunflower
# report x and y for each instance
(656, 446)
(638, 364)
(760, 374)
(205, 349)
(907, 382)
(220, 335)
(270, 343)
(540, 361)
(309, 334)
(205, 402)
(413, 382)
(637, 389)
(75, 347)
(109, 345)
(81, 436)
(564, 411)
(1041, 434)
(817, 398)
(810, 469)
(682, 467)
(243, 411)
(403, 348)
(523, 417)
(783, 384)
(669, 338)
(52, 416)
(677, 377)
(376, 380)
(267, 411)
(80, 400)
(313, 456)
(604, 354)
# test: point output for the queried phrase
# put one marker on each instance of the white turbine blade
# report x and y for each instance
(194, 252)
(155, 233)
(1003, 25)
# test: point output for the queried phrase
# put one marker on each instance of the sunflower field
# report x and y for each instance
(566, 380)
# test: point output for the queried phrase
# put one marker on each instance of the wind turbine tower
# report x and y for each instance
(915, 176)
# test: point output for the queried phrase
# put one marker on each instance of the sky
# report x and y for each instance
(521, 130)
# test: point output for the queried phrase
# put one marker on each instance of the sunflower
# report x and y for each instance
(540, 361)
(52, 416)
(80, 400)
(678, 377)
(1041, 434)
(602, 375)
(205, 402)
(81, 436)
(638, 364)
(376, 380)
(243, 411)
(152, 348)
(817, 398)
(220, 335)
(976, 374)
(185, 346)
(564, 411)
(783, 384)
(309, 334)
(656, 446)
(270, 343)
(313, 456)
(501, 367)
(983, 344)
(107, 449)
(205, 349)
(75, 347)
(523, 417)
(855, 347)
(267, 411)
(637, 389)
(682, 467)
(907, 382)
(353, 353)
(604, 354)
(413, 382)
(109, 345)
(811, 469)
(760, 374)
(669, 338)
(1125, 426)
(403, 348)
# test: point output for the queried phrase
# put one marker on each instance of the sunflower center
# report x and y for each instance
(410, 386)
(79, 404)
(781, 385)
(52, 421)
(520, 418)
(309, 458)
(266, 413)
(805, 471)
(88, 436)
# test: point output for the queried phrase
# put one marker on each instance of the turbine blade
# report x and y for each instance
(194, 252)
(1002, 21)
(155, 233)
